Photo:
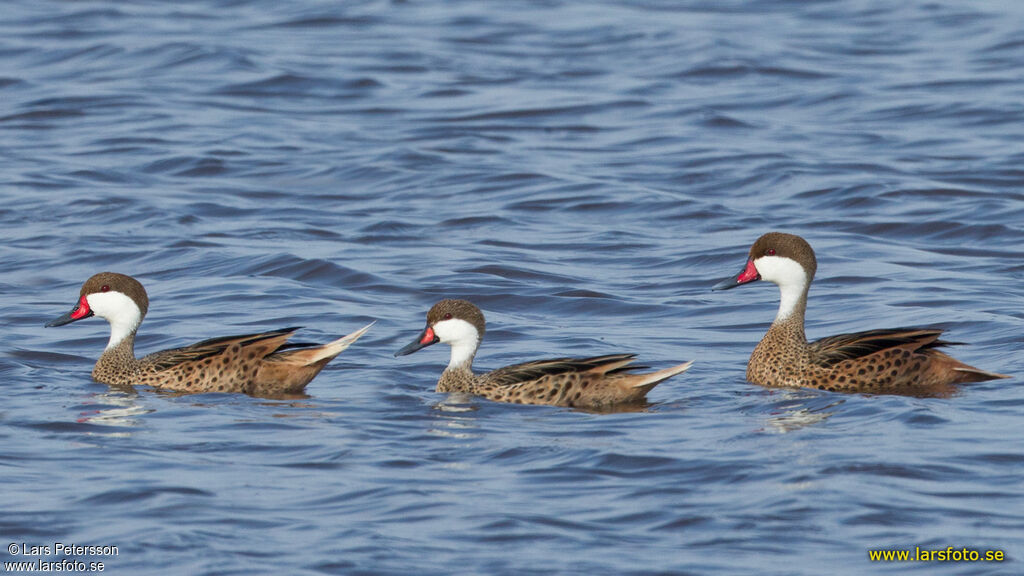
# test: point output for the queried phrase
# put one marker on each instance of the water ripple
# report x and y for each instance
(584, 173)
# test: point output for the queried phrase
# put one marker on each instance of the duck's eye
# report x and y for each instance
(447, 315)
(771, 252)
(105, 288)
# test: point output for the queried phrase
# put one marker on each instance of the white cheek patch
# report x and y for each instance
(461, 336)
(118, 309)
(789, 276)
(780, 270)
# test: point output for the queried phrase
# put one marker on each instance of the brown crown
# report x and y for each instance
(461, 309)
(787, 246)
(117, 283)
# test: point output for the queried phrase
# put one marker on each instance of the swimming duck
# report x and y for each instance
(595, 382)
(261, 364)
(900, 360)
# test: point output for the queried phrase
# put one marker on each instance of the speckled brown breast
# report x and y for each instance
(781, 358)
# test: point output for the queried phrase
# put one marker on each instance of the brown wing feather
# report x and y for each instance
(167, 359)
(834, 349)
(511, 375)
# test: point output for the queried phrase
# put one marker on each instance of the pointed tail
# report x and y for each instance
(648, 381)
(971, 374)
(331, 349)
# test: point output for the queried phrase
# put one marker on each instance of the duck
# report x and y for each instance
(264, 364)
(597, 382)
(884, 361)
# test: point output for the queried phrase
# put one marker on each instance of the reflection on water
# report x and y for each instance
(117, 407)
(454, 416)
(797, 408)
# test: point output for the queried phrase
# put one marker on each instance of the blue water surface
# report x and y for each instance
(583, 171)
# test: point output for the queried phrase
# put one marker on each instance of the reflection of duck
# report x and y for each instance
(260, 364)
(902, 360)
(794, 409)
(579, 382)
(121, 410)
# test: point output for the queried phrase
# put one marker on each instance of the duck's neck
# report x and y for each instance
(789, 322)
(458, 376)
(122, 329)
(463, 352)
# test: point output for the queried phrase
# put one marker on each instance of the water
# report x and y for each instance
(582, 171)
